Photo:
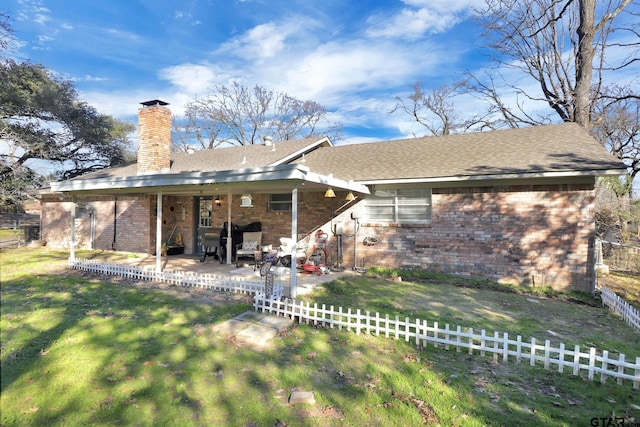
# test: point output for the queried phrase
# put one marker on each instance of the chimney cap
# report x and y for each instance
(154, 102)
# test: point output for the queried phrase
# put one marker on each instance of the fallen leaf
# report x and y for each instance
(31, 410)
(148, 363)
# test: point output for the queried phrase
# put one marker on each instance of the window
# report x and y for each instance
(280, 202)
(205, 212)
(405, 206)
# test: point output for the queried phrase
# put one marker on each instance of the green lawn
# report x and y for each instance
(80, 350)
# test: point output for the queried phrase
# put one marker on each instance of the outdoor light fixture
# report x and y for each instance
(350, 197)
(246, 201)
(217, 201)
(330, 193)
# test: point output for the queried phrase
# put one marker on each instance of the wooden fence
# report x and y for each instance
(500, 346)
(629, 313)
(184, 278)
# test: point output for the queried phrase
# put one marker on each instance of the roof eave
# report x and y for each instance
(296, 174)
(300, 152)
(497, 177)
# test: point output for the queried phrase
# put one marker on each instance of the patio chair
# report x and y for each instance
(250, 247)
(286, 250)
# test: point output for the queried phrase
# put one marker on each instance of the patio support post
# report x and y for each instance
(229, 233)
(159, 233)
(72, 237)
(294, 238)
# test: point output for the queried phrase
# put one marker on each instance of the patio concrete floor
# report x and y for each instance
(305, 282)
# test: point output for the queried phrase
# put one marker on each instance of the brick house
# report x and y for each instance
(512, 206)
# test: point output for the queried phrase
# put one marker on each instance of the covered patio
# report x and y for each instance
(283, 179)
(191, 265)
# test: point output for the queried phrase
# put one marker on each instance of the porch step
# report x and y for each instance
(252, 328)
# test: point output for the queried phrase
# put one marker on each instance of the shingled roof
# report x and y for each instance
(532, 151)
(226, 158)
(526, 152)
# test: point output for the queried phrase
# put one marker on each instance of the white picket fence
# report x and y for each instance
(184, 278)
(629, 313)
(594, 362)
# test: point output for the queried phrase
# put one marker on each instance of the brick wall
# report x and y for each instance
(528, 235)
(533, 236)
(313, 211)
(154, 139)
(132, 223)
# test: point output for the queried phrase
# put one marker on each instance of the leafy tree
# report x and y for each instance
(42, 118)
(238, 115)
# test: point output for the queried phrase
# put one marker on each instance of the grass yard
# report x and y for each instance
(84, 350)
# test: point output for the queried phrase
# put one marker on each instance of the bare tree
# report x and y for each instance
(617, 126)
(571, 49)
(6, 31)
(434, 110)
(562, 45)
(238, 115)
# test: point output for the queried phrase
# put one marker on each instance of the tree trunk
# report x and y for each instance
(584, 62)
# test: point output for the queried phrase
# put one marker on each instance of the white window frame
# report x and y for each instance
(204, 216)
(402, 206)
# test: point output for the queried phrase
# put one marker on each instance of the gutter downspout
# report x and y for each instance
(294, 238)
(72, 237)
(229, 230)
(159, 233)
(115, 222)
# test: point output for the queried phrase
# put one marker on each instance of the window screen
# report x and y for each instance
(404, 206)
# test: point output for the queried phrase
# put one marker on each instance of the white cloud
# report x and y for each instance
(262, 41)
(44, 39)
(89, 78)
(41, 18)
(338, 70)
(419, 18)
(193, 79)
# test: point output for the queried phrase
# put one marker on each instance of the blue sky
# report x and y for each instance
(354, 58)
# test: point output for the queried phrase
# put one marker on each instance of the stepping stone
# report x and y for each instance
(231, 327)
(251, 316)
(278, 323)
(302, 397)
(256, 335)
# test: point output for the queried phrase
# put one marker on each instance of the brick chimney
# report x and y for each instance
(154, 137)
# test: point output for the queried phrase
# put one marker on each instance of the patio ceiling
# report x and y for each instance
(271, 179)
